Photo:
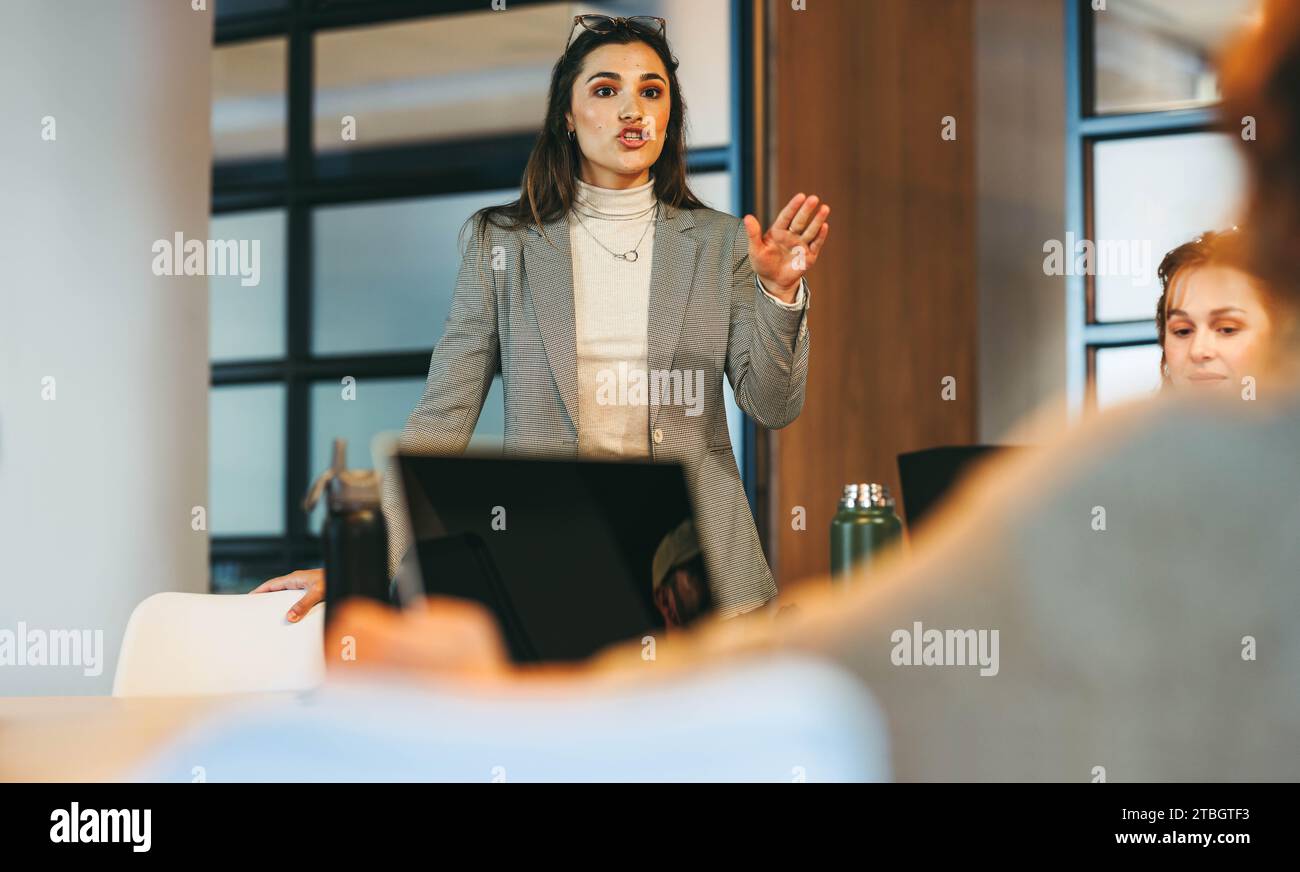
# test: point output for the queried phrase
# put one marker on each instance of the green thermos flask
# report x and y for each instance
(863, 526)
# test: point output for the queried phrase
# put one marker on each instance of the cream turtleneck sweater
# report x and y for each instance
(611, 304)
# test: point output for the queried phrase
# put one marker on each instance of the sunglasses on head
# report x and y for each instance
(650, 24)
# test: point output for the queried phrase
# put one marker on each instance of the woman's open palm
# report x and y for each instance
(790, 247)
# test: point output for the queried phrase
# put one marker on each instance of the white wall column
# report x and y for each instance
(103, 365)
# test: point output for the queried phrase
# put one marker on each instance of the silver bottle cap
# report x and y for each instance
(850, 496)
(872, 494)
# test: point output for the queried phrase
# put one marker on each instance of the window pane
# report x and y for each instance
(486, 73)
(248, 322)
(446, 77)
(1151, 195)
(385, 273)
(238, 576)
(248, 103)
(1159, 54)
(246, 445)
(378, 406)
(712, 188)
(1126, 373)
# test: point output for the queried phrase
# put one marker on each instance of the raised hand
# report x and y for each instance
(790, 247)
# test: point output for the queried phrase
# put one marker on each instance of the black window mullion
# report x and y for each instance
(337, 14)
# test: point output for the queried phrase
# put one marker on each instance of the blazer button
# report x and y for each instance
(659, 435)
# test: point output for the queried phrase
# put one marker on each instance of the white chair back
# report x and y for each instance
(189, 644)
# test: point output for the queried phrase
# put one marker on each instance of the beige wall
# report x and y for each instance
(1020, 125)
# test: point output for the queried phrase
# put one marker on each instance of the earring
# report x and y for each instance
(571, 136)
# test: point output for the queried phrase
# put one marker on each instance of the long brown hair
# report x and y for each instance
(548, 187)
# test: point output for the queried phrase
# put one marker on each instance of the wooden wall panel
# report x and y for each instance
(856, 92)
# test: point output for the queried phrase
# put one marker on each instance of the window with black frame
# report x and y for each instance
(1148, 169)
(351, 140)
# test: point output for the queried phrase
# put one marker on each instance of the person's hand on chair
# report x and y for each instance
(312, 581)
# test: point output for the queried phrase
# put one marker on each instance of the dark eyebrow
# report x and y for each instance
(605, 74)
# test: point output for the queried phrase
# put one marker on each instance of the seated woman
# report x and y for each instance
(1216, 322)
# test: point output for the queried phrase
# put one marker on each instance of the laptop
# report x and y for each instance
(928, 476)
(570, 555)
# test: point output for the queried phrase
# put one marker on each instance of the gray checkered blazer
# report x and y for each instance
(706, 312)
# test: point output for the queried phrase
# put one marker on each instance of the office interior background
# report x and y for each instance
(1068, 124)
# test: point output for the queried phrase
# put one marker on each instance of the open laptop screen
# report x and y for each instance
(570, 555)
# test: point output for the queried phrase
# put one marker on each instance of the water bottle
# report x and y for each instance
(862, 527)
(354, 537)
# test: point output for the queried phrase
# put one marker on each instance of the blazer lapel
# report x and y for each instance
(549, 270)
(672, 273)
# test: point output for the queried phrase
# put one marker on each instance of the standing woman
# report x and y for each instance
(607, 263)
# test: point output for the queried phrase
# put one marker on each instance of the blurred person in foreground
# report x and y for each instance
(1142, 572)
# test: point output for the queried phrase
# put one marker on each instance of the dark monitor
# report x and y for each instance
(564, 553)
(928, 476)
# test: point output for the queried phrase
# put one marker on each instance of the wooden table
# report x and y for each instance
(92, 738)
